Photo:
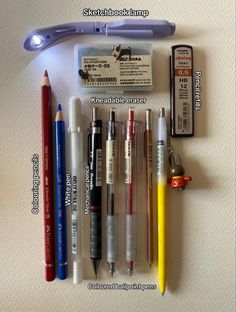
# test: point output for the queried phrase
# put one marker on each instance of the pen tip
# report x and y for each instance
(111, 273)
(130, 267)
(59, 108)
(95, 267)
(130, 271)
(111, 268)
(45, 73)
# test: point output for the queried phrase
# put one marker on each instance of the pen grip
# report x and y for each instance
(130, 237)
(95, 235)
(112, 238)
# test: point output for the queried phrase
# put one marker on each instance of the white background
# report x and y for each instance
(201, 220)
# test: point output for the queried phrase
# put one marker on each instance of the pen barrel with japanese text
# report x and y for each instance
(130, 190)
(60, 200)
(76, 171)
(112, 144)
(95, 173)
(161, 197)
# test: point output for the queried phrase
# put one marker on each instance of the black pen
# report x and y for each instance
(95, 174)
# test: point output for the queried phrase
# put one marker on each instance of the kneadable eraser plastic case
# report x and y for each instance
(113, 68)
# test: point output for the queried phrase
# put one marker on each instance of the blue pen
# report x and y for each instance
(60, 195)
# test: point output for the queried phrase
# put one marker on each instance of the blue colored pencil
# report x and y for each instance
(62, 270)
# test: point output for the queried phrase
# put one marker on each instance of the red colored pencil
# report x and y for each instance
(47, 161)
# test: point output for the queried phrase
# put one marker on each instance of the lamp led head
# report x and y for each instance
(37, 41)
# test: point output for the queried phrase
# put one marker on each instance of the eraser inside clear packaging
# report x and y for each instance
(113, 68)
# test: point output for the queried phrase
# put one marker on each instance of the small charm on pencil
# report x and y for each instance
(177, 180)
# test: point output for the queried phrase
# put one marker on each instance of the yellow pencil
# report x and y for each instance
(161, 198)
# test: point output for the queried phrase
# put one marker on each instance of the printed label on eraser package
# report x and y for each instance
(104, 67)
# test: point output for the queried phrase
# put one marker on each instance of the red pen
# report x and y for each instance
(130, 182)
(47, 163)
(148, 160)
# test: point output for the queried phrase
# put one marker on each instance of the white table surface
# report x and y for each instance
(201, 224)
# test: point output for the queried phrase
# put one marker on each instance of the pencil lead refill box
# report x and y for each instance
(113, 68)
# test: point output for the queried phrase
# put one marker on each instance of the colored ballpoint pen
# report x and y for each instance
(148, 161)
(60, 195)
(161, 197)
(41, 38)
(130, 200)
(111, 172)
(95, 173)
(76, 164)
(47, 162)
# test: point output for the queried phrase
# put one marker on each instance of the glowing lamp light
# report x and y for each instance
(37, 41)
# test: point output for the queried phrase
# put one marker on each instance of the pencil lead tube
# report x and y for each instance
(45, 73)
(59, 108)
